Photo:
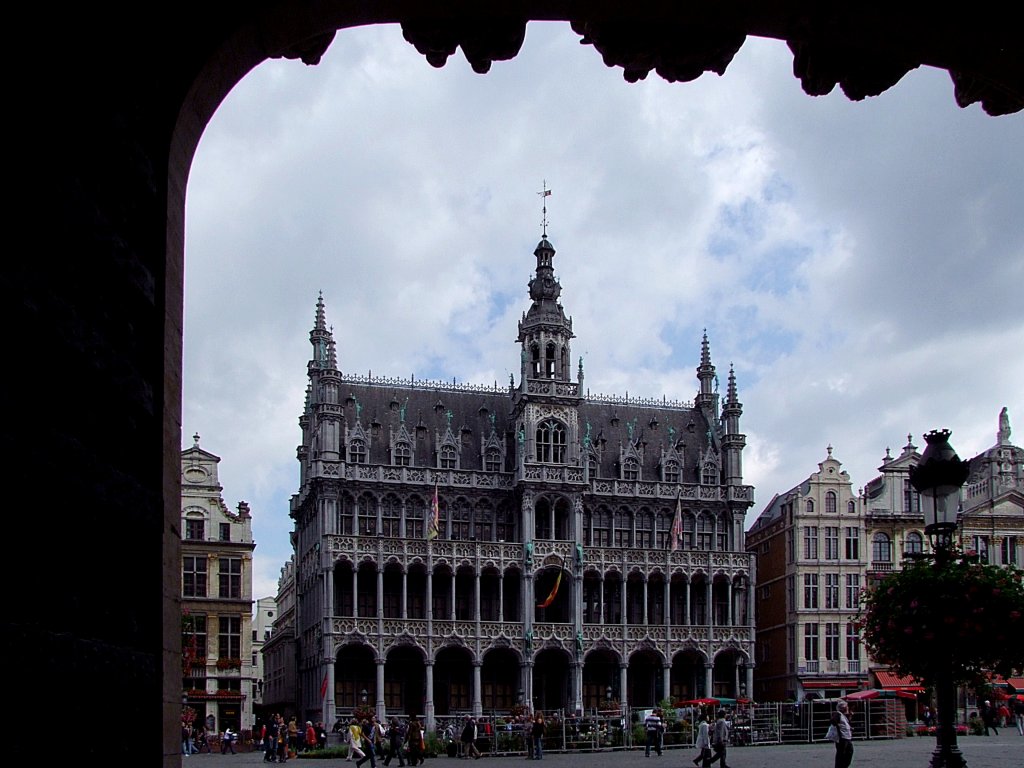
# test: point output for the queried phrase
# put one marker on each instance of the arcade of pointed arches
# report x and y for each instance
(404, 678)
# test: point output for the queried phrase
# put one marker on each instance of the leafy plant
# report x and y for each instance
(961, 617)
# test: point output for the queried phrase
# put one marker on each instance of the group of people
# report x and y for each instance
(369, 739)
(196, 738)
(712, 740)
(281, 740)
(996, 716)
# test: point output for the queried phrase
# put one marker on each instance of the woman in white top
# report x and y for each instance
(703, 743)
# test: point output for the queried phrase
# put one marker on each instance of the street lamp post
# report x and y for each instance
(939, 477)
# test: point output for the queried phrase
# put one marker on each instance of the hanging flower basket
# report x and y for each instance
(228, 663)
(963, 617)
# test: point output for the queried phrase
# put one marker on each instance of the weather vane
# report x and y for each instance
(544, 194)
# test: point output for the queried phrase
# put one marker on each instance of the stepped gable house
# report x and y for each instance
(552, 578)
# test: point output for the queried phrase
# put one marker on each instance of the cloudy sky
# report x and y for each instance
(860, 264)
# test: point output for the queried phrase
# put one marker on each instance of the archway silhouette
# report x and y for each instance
(98, 320)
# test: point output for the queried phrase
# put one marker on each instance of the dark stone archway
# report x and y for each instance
(94, 400)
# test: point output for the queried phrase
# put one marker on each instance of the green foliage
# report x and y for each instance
(963, 617)
(433, 747)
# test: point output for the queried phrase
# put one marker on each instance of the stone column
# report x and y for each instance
(379, 704)
(686, 608)
(643, 613)
(729, 605)
(477, 703)
(405, 594)
(666, 680)
(623, 683)
(380, 599)
(709, 669)
(428, 704)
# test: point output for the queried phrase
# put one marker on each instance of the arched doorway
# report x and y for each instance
(551, 680)
(601, 680)
(645, 679)
(499, 680)
(405, 682)
(453, 681)
(355, 677)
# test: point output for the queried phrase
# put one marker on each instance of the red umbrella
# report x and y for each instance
(699, 702)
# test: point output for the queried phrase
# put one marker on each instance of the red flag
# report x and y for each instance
(554, 591)
(323, 688)
(547, 193)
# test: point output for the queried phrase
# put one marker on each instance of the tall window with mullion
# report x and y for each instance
(230, 577)
(551, 442)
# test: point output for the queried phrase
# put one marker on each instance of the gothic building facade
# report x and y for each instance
(467, 549)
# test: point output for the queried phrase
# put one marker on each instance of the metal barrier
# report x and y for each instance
(750, 725)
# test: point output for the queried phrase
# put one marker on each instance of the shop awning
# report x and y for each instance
(1017, 683)
(835, 683)
(894, 682)
(876, 693)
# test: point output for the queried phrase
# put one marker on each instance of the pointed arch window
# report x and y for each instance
(630, 469)
(447, 457)
(645, 529)
(391, 516)
(623, 534)
(549, 360)
(705, 530)
(551, 442)
(402, 454)
(357, 452)
(689, 529)
(415, 512)
(602, 527)
(492, 460)
(535, 360)
(670, 471)
(709, 475)
(592, 464)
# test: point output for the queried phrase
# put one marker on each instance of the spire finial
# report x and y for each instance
(544, 194)
(195, 440)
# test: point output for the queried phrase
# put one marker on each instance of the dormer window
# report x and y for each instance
(709, 476)
(551, 442)
(630, 469)
(447, 458)
(357, 452)
(670, 472)
(402, 454)
(492, 460)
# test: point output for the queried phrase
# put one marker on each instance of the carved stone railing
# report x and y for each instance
(550, 387)
(686, 492)
(549, 474)
(686, 560)
(380, 548)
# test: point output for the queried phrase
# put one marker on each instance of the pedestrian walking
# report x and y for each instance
(227, 743)
(355, 740)
(414, 740)
(369, 750)
(652, 730)
(988, 717)
(840, 732)
(396, 737)
(703, 743)
(1018, 714)
(469, 739)
(719, 740)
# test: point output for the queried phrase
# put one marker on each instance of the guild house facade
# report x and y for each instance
(468, 549)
